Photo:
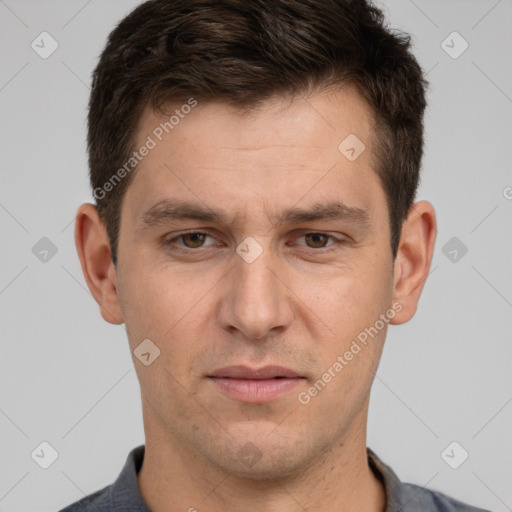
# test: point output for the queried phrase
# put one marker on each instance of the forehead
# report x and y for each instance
(298, 122)
(277, 153)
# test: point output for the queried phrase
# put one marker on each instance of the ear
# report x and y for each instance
(413, 259)
(93, 247)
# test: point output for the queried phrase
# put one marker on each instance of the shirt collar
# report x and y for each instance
(124, 493)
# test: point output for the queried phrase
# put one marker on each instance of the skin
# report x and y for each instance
(296, 305)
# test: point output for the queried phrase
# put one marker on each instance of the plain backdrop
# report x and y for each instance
(66, 376)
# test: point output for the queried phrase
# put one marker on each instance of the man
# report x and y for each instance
(255, 165)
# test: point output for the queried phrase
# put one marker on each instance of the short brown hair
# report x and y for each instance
(242, 52)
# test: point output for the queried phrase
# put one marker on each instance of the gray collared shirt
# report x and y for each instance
(124, 495)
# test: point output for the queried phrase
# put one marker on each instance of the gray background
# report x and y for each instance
(66, 376)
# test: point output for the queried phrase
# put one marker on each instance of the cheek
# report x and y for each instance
(171, 311)
(155, 300)
(351, 301)
(350, 306)
(349, 357)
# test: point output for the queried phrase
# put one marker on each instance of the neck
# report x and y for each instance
(173, 478)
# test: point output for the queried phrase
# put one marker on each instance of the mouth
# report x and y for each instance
(261, 385)
(244, 372)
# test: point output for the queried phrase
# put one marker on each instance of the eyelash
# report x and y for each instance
(322, 250)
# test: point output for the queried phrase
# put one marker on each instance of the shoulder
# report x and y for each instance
(99, 501)
(406, 497)
(415, 497)
(122, 496)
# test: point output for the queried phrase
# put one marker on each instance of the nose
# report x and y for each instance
(256, 301)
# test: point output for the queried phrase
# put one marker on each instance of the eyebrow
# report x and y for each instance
(168, 211)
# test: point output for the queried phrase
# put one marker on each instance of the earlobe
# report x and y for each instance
(93, 249)
(414, 258)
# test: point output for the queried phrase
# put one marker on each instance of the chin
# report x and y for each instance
(260, 458)
(266, 469)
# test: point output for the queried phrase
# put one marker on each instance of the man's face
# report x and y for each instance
(257, 288)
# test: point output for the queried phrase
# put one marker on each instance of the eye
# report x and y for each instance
(192, 240)
(196, 240)
(318, 240)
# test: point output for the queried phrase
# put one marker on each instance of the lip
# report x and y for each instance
(255, 385)
(244, 372)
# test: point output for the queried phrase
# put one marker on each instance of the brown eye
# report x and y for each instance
(193, 240)
(316, 240)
